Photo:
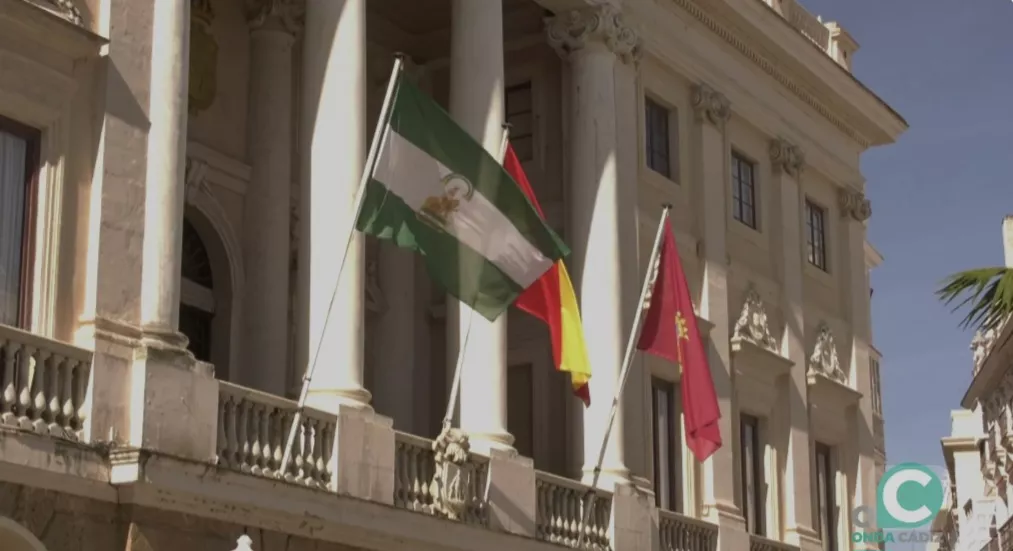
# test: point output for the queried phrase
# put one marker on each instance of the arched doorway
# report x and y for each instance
(14, 537)
(205, 309)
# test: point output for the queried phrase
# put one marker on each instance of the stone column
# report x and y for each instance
(476, 103)
(602, 235)
(787, 162)
(334, 146)
(268, 199)
(855, 209)
(711, 113)
(166, 164)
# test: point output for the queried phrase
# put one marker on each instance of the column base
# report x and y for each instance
(485, 442)
(804, 537)
(634, 517)
(609, 477)
(332, 400)
(166, 343)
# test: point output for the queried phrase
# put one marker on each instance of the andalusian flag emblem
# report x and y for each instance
(437, 191)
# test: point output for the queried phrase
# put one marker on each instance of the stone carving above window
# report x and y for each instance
(784, 156)
(824, 360)
(752, 325)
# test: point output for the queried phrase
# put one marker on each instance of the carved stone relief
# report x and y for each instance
(752, 324)
(63, 8)
(571, 31)
(451, 482)
(786, 157)
(710, 105)
(824, 361)
(203, 57)
(195, 178)
(981, 345)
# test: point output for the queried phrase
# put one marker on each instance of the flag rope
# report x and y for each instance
(379, 134)
(624, 375)
(455, 386)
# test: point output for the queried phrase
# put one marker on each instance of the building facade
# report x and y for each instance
(178, 181)
(977, 452)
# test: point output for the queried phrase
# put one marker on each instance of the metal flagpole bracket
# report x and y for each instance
(624, 373)
(360, 194)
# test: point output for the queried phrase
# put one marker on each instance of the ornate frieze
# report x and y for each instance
(786, 157)
(284, 15)
(710, 105)
(855, 205)
(752, 324)
(571, 31)
(824, 360)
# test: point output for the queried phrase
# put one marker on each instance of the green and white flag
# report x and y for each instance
(435, 190)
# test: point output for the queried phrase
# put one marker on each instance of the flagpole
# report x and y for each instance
(624, 373)
(455, 387)
(360, 194)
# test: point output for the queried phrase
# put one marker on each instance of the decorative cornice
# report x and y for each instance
(280, 15)
(786, 157)
(824, 361)
(770, 68)
(752, 324)
(571, 31)
(710, 105)
(855, 205)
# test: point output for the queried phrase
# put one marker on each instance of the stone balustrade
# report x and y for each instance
(560, 506)
(681, 533)
(44, 384)
(414, 467)
(809, 25)
(760, 543)
(253, 428)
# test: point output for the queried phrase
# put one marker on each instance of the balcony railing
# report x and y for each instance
(681, 533)
(809, 25)
(414, 467)
(44, 384)
(760, 543)
(560, 510)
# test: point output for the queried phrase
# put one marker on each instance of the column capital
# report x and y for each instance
(710, 105)
(278, 15)
(854, 204)
(786, 157)
(573, 30)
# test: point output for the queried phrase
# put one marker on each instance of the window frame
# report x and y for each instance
(662, 115)
(817, 256)
(826, 525)
(751, 468)
(33, 164)
(673, 440)
(738, 160)
(528, 85)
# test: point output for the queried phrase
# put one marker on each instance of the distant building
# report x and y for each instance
(175, 189)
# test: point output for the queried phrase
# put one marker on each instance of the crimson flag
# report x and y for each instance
(670, 332)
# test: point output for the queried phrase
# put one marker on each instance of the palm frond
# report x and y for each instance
(987, 293)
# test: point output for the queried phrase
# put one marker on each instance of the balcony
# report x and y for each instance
(829, 37)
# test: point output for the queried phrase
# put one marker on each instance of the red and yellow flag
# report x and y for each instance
(552, 300)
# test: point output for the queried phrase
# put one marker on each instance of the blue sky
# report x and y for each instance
(938, 195)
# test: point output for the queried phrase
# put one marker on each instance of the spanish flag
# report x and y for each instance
(552, 300)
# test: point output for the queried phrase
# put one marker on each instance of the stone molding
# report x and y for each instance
(752, 324)
(277, 15)
(769, 67)
(710, 105)
(824, 360)
(786, 157)
(855, 205)
(65, 9)
(571, 31)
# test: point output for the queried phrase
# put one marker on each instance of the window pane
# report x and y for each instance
(657, 146)
(661, 448)
(13, 179)
(752, 474)
(743, 191)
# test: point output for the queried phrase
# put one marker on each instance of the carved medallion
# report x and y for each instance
(203, 57)
(824, 360)
(752, 323)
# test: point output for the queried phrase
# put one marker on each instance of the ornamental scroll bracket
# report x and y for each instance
(854, 204)
(786, 157)
(573, 30)
(710, 105)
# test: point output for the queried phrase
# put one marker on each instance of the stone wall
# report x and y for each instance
(64, 522)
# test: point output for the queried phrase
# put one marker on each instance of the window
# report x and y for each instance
(19, 158)
(816, 237)
(826, 501)
(197, 303)
(877, 396)
(658, 148)
(520, 414)
(667, 446)
(520, 116)
(752, 474)
(743, 190)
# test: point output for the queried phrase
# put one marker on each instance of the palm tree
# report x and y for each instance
(987, 291)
